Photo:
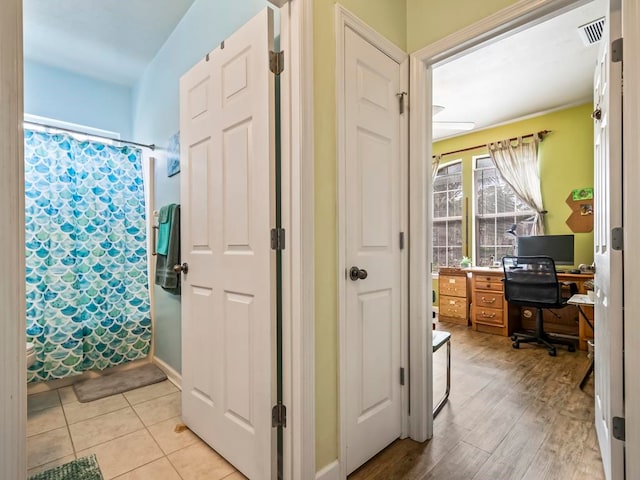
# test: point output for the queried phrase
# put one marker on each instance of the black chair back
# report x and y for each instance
(532, 281)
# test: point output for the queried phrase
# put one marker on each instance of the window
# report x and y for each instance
(497, 209)
(447, 216)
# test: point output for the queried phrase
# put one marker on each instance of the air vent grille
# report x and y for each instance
(591, 32)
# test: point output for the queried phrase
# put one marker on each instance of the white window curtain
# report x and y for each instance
(434, 165)
(517, 162)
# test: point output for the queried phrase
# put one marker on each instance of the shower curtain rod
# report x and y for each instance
(150, 146)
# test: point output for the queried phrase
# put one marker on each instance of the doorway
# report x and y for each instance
(512, 18)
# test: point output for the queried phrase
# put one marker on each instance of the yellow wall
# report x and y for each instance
(566, 163)
(389, 18)
(431, 20)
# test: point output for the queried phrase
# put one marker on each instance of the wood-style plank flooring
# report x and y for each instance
(512, 414)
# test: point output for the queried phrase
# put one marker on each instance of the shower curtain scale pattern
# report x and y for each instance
(87, 303)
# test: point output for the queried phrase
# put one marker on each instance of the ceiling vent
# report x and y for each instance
(591, 32)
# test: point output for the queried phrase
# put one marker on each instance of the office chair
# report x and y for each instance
(532, 282)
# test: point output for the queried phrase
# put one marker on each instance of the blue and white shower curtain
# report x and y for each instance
(86, 259)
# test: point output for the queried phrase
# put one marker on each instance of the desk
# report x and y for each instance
(583, 302)
(491, 313)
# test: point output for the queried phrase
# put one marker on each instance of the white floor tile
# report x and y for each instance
(159, 409)
(106, 427)
(125, 453)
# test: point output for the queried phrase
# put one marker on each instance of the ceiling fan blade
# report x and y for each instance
(436, 109)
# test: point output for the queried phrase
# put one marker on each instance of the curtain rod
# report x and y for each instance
(151, 146)
(542, 133)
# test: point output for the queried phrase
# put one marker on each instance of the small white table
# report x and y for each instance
(581, 301)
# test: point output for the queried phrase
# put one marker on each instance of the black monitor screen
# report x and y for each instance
(558, 247)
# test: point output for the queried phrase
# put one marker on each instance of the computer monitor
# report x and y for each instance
(558, 247)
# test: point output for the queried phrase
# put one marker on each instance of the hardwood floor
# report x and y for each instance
(512, 414)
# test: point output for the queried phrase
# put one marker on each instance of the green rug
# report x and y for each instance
(85, 468)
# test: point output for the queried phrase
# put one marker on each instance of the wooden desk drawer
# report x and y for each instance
(453, 285)
(488, 299)
(453, 307)
(489, 316)
(488, 283)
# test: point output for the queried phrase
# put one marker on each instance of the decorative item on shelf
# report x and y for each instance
(465, 262)
(581, 203)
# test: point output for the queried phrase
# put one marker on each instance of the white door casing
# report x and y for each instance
(608, 373)
(228, 295)
(372, 206)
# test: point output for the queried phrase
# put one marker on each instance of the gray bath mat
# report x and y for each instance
(118, 382)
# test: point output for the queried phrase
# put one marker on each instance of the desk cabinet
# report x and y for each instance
(490, 312)
(453, 303)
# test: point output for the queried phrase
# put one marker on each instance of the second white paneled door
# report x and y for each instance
(609, 340)
(373, 177)
(228, 293)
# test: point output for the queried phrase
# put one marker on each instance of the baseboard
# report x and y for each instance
(173, 376)
(330, 472)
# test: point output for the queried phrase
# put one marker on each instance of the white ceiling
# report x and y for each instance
(112, 40)
(543, 68)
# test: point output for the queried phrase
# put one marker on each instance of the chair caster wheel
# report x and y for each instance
(515, 344)
(572, 348)
(552, 352)
(514, 338)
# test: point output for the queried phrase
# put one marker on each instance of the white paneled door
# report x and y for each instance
(227, 196)
(608, 372)
(373, 252)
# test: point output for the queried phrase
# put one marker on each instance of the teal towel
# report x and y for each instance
(165, 275)
(164, 228)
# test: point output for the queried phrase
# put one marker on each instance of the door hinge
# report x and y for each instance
(279, 415)
(616, 50)
(401, 240)
(277, 239)
(618, 425)
(617, 238)
(276, 62)
(401, 375)
(401, 96)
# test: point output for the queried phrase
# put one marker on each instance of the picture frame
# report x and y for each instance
(173, 155)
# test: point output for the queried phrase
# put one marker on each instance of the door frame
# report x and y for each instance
(513, 18)
(516, 17)
(630, 154)
(298, 258)
(345, 19)
(13, 382)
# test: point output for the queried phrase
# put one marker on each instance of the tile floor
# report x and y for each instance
(132, 435)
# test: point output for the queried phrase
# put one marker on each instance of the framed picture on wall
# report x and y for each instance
(173, 155)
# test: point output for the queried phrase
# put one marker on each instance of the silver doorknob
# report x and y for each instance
(356, 274)
(184, 268)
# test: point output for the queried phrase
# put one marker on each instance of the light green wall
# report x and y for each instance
(389, 18)
(566, 163)
(411, 24)
(431, 20)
